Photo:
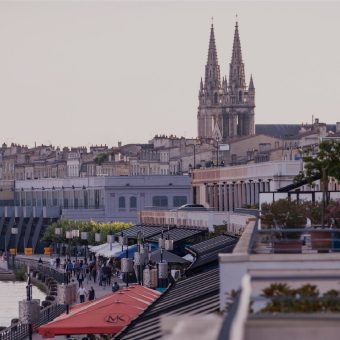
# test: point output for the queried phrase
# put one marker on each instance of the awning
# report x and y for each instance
(107, 315)
(104, 249)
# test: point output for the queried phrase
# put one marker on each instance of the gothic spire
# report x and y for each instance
(236, 74)
(212, 69)
(251, 84)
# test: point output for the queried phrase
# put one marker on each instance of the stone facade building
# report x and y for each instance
(226, 108)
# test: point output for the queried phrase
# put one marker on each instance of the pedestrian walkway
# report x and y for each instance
(99, 290)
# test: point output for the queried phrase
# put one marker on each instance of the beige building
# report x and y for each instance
(228, 188)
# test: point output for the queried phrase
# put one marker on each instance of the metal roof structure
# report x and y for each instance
(152, 233)
(207, 251)
(167, 256)
(178, 234)
(147, 230)
(198, 294)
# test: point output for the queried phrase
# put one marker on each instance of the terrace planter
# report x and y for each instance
(287, 246)
(321, 241)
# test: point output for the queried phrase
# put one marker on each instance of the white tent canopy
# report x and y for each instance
(104, 249)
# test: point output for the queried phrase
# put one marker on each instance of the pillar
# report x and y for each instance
(29, 311)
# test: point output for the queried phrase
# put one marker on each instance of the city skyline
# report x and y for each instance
(103, 72)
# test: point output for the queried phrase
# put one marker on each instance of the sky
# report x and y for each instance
(89, 72)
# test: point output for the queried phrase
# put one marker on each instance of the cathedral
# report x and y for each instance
(226, 107)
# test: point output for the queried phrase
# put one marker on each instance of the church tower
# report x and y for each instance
(226, 110)
(210, 94)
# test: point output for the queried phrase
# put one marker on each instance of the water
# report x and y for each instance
(10, 295)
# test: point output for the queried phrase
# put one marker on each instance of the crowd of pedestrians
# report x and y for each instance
(95, 271)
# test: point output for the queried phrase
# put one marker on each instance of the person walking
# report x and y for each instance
(92, 294)
(87, 275)
(115, 287)
(94, 273)
(81, 293)
(80, 278)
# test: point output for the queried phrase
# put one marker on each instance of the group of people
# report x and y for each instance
(96, 270)
(83, 293)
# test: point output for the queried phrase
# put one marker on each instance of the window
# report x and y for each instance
(133, 202)
(179, 201)
(121, 203)
(160, 201)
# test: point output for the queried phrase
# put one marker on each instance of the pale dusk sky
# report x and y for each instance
(83, 73)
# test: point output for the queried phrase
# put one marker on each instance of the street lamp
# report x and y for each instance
(98, 236)
(84, 235)
(58, 231)
(69, 236)
(110, 239)
(75, 234)
(218, 146)
(14, 230)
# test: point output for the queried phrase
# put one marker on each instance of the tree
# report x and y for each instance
(323, 165)
(305, 299)
(90, 226)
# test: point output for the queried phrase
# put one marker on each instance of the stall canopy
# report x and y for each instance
(105, 249)
(107, 315)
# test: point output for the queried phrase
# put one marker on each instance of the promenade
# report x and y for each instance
(99, 290)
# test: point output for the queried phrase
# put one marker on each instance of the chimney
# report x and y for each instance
(119, 144)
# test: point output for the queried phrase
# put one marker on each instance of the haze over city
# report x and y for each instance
(98, 72)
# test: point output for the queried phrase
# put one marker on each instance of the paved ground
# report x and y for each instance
(99, 290)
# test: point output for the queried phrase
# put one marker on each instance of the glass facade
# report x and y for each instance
(64, 198)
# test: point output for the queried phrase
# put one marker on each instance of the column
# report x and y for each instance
(206, 194)
(221, 198)
(216, 196)
(250, 193)
(225, 193)
(233, 196)
(229, 197)
(242, 194)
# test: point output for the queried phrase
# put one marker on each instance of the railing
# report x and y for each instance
(15, 332)
(20, 330)
(43, 269)
(228, 320)
(295, 240)
(50, 313)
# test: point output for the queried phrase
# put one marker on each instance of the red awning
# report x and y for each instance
(107, 315)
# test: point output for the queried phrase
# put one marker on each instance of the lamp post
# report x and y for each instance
(58, 231)
(68, 237)
(29, 298)
(218, 146)
(110, 239)
(98, 236)
(194, 145)
(84, 235)
(75, 235)
(14, 230)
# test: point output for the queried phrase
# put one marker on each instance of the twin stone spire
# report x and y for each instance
(226, 108)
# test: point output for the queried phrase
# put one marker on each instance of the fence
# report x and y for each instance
(20, 331)
(60, 277)
(295, 240)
